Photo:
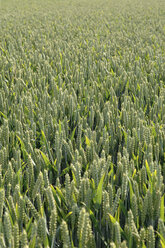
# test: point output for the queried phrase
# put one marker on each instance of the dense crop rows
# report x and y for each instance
(82, 124)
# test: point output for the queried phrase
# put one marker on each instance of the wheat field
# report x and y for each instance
(82, 124)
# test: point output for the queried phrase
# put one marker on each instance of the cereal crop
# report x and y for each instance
(82, 124)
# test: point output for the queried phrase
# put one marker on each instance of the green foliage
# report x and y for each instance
(82, 124)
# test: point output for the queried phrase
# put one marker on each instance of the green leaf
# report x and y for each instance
(161, 237)
(29, 227)
(110, 172)
(45, 158)
(10, 211)
(153, 129)
(25, 153)
(11, 220)
(58, 203)
(47, 147)
(73, 133)
(67, 216)
(33, 242)
(162, 208)
(48, 163)
(87, 141)
(92, 182)
(60, 195)
(144, 188)
(134, 98)
(4, 116)
(66, 170)
(94, 220)
(127, 84)
(17, 210)
(130, 243)
(148, 171)
(113, 220)
(162, 244)
(87, 166)
(134, 173)
(74, 178)
(130, 189)
(98, 197)
(3, 50)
